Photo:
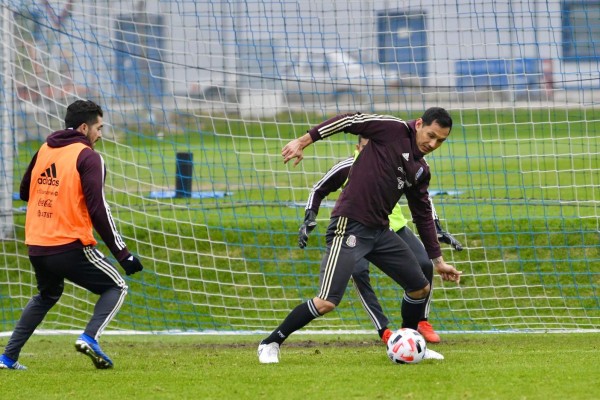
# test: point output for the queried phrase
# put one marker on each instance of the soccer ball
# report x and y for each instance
(406, 346)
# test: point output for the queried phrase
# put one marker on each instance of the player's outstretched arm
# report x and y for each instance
(330, 182)
(294, 149)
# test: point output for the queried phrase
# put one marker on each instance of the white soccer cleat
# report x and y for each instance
(432, 355)
(268, 353)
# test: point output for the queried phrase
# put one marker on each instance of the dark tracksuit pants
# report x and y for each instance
(349, 241)
(362, 282)
(85, 267)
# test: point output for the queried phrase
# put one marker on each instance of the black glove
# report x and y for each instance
(131, 265)
(306, 228)
(445, 237)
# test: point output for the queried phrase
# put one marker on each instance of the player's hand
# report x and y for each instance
(446, 237)
(306, 228)
(294, 149)
(446, 271)
(131, 265)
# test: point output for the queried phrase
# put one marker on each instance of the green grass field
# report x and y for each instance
(499, 366)
(518, 185)
(232, 263)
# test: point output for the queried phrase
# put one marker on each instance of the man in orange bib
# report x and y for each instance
(64, 188)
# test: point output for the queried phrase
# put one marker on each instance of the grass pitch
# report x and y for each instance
(524, 208)
(477, 366)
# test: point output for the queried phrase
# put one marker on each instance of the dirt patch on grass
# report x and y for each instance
(291, 343)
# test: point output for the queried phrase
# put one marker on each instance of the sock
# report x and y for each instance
(296, 319)
(412, 310)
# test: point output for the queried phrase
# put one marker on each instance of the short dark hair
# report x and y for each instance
(82, 112)
(439, 115)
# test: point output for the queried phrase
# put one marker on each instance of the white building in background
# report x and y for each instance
(157, 49)
(233, 42)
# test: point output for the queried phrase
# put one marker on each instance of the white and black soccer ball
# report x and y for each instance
(406, 346)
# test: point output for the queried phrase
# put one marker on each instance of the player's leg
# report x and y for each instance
(336, 268)
(50, 286)
(89, 269)
(393, 256)
(418, 250)
(425, 327)
(368, 298)
(96, 274)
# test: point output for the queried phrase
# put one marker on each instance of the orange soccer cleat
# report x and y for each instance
(428, 333)
(386, 336)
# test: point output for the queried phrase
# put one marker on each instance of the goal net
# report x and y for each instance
(200, 97)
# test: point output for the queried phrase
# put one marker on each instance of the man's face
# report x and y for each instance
(430, 137)
(92, 132)
(362, 144)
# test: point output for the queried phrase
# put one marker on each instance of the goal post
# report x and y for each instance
(6, 143)
(200, 97)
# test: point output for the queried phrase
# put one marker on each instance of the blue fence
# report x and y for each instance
(519, 75)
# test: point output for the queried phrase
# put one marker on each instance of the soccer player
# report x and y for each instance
(336, 178)
(64, 188)
(391, 165)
